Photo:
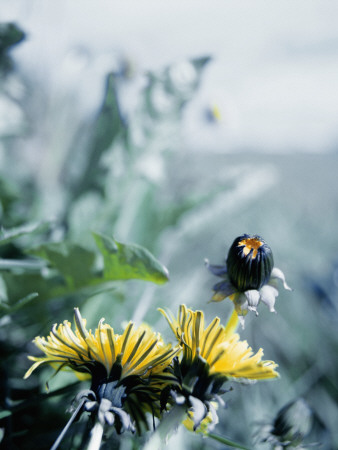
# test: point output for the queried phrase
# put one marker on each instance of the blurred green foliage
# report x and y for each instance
(48, 265)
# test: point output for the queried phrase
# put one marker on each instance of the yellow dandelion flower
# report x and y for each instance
(128, 371)
(210, 356)
(220, 347)
(138, 351)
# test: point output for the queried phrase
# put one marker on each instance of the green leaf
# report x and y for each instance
(7, 236)
(73, 269)
(74, 262)
(10, 34)
(21, 264)
(5, 413)
(18, 304)
(199, 63)
(18, 284)
(24, 301)
(93, 142)
(129, 261)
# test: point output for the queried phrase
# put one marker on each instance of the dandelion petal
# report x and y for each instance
(199, 410)
(252, 297)
(277, 273)
(268, 296)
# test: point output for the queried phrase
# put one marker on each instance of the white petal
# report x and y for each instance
(254, 309)
(277, 273)
(268, 296)
(253, 297)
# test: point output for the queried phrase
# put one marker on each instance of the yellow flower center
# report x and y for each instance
(250, 244)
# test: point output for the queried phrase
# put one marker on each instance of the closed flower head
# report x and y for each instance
(290, 428)
(249, 275)
(249, 262)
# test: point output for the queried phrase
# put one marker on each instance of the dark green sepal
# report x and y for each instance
(111, 391)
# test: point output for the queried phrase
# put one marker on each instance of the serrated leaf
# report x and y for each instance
(74, 262)
(7, 236)
(73, 269)
(129, 261)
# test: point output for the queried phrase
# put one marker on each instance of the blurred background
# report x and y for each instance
(176, 126)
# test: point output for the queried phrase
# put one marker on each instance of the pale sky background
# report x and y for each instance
(274, 75)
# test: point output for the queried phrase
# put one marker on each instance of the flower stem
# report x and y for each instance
(232, 323)
(226, 441)
(66, 428)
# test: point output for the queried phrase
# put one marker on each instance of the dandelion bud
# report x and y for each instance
(293, 422)
(249, 262)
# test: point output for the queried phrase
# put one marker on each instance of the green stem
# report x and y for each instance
(226, 441)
